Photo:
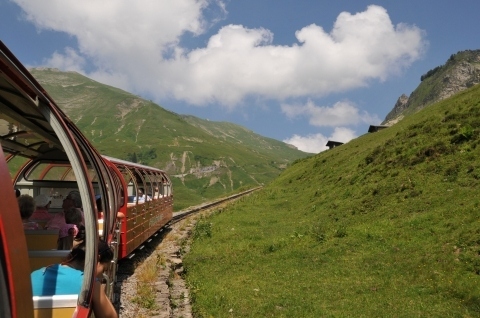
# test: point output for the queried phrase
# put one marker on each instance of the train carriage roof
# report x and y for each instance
(24, 129)
(131, 164)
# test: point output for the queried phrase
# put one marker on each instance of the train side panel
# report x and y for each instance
(141, 219)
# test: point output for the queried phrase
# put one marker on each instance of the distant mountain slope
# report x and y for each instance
(205, 159)
(240, 135)
(461, 71)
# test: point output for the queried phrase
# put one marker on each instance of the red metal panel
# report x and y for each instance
(14, 248)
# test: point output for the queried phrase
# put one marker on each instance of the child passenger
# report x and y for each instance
(66, 278)
(67, 232)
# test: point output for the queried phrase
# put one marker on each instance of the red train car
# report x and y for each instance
(51, 156)
(142, 217)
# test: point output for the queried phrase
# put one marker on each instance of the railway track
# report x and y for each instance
(178, 216)
(169, 284)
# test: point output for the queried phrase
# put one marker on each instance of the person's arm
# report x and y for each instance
(101, 305)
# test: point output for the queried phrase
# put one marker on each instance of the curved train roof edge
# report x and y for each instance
(133, 164)
(33, 85)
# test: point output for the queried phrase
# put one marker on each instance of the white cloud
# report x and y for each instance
(316, 143)
(70, 60)
(137, 44)
(340, 114)
(342, 134)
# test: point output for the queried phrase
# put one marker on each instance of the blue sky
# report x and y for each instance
(303, 72)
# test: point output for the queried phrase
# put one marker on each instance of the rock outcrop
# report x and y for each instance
(461, 71)
(397, 110)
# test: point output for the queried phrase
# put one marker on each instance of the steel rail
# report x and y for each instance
(178, 216)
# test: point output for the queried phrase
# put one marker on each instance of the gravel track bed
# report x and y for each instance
(172, 295)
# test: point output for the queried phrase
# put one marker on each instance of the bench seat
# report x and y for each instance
(41, 239)
(57, 306)
(39, 259)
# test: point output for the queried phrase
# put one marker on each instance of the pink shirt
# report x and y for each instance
(41, 214)
(57, 222)
(65, 229)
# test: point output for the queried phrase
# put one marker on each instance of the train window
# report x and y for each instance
(139, 175)
(39, 171)
(92, 174)
(47, 171)
(56, 173)
(149, 183)
(128, 181)
(50, 172)
(157, 186)
(69, 176)
(127, 177)
(120, 191)
(15, 163)
(17, 137)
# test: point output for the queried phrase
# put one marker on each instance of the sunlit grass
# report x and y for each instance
(387, 225)
(147, 276)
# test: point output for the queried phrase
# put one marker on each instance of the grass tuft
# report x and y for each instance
(146, 279)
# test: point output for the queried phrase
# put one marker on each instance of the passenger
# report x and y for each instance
(67, 233)
(26, 204)
(142, 197)
(100, 209)
(77, 201)
(41, 213)
(58, 220)
(66, 278)
(73, 216)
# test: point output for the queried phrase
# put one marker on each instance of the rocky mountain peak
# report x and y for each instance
(461, 71)
(396, 113)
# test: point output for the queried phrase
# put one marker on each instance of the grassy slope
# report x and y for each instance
(119, 124)
(262, 146)
(386, 225)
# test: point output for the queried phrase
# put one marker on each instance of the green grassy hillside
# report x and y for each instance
(205, 159)
(387, 225)
(262, 146)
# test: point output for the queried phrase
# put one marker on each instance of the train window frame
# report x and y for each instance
(140, 173)
(45, 167)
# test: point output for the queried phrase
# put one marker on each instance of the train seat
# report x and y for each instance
(41, 239)
(54, 306)
(39, 259)
(41, 223)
